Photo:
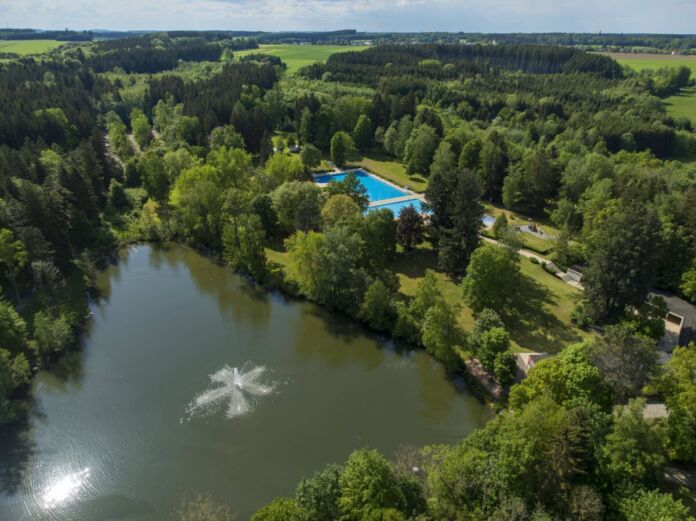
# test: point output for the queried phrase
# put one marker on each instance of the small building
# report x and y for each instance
(673, 328)
(295, 149)
(575, 273)
(654, 411)
(680, 322)
(526, 361)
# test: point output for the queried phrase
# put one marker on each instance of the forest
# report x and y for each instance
(169, 137)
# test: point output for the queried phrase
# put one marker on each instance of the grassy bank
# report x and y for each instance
(539, 321)
(392, 170)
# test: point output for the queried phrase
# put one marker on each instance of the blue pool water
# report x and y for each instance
(396, 207)
(376, 189)
(487, 220)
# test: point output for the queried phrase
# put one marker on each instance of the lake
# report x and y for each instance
(111, 435)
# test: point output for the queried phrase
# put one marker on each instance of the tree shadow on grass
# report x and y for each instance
(413, 264)
(530, 322)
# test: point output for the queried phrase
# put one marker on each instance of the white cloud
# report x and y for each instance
(375, 15)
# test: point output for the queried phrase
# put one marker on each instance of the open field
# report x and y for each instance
(28, 46)
(298, 56)
(683, 104)
(641, 62)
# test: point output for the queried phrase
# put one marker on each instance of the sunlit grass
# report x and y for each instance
(23, 47)
(298, 56)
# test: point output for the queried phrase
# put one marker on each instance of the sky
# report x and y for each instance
(664, 16)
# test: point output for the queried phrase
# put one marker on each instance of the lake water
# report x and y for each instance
(109, 436)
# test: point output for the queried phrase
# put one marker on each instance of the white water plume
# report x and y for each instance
(239, 388)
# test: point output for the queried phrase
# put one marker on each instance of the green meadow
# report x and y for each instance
(298, 56)
(23, 47)
(641, 62)
(682, 104)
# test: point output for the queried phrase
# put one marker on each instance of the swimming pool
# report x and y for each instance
(396, 207)
(488, 220)
(376, 188)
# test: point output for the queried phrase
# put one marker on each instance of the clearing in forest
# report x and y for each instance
(23, 47)
(298, 56)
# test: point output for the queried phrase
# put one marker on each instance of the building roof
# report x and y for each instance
(684, 309)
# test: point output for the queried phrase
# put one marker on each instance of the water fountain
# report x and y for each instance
(239, 387)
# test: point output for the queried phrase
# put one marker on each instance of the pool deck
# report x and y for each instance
(384, 202)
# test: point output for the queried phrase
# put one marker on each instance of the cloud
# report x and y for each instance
(672, 16)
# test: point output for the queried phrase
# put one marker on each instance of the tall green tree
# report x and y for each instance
(13, 257)
(492, 278)
(341, 147)
(363, 133)
(454, 198)
(368, 483)
(441, 334)
(419, 149)
(243, 245)
(142, 133)
(632, 454)
(628, 361)
(622, 251)
(409, 228)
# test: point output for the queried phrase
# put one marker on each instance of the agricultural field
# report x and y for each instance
(683, 104)
(298, 56)
(641, 62)
(24, 47)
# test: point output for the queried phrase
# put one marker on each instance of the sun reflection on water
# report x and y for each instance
(65, 488)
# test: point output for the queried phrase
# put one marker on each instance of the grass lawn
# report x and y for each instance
(23, 47)
(392, 170)
(641, 62)
(539, 322)
(683, 104)
(298, 56)
(529, 241)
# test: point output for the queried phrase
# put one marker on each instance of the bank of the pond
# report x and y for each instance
(109, 435)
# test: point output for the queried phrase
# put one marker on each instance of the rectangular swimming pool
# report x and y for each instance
(376, 189)
(396, 207)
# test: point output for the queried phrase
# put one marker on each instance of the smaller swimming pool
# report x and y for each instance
(396, 207)
(488, 220)
(376, 189)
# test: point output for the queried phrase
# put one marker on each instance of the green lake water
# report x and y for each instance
(110, 437)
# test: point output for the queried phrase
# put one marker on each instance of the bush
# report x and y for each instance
(405, 325)
(51, 335)
(579, 316)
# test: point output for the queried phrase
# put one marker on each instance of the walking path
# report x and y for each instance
(530, 255)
